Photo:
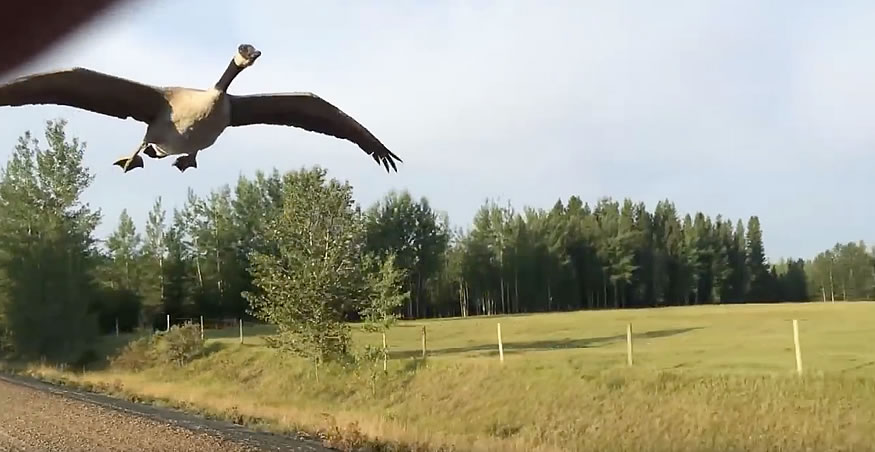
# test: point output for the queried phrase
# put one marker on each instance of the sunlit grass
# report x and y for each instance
(704, 378)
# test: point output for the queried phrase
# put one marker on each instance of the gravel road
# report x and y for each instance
(35, 416)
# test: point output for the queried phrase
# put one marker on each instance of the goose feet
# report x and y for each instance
(129, 163)
(185, 162)
(152, 152)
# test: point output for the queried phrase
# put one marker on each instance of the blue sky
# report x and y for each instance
(734, 107)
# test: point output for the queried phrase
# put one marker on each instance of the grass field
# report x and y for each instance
(704, 378)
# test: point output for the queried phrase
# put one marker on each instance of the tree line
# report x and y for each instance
(220, 255)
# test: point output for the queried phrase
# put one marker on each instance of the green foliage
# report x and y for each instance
(154, 252)
(314, 276)
(124, 246)
(117, 304)
(47, 259)
(757, 267)
(418, 238)
(178, 346)
(843, 272)
(385, 295)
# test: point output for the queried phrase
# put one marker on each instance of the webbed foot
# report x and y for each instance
(129, 163)
(185, 162)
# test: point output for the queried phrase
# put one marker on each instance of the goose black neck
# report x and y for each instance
(228, 76)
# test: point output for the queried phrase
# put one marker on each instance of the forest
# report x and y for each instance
(202, 258)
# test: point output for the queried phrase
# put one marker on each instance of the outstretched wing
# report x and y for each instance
(86, 89)
(309, 112)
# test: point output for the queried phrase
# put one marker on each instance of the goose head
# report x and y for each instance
(246, 56)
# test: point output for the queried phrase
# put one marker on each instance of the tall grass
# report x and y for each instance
(705, 378)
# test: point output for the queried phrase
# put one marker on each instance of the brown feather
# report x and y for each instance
(88, 90)
(309, 112)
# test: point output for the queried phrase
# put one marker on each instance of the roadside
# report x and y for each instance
(30, 420)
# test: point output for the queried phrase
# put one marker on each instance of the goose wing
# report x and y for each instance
(88, 90)
(309, 112)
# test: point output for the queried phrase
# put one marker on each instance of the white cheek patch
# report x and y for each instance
(239, 60)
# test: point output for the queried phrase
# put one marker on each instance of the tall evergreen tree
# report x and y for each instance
(757, 268)
(47, 255)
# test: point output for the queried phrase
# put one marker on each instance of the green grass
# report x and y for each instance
(704, 378)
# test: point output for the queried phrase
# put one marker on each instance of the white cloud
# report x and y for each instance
(527, 101)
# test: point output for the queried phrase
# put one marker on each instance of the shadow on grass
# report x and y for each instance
(511, 347)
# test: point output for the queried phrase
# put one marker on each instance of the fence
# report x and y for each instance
(203, 323)
(629, 346)
(224, 323)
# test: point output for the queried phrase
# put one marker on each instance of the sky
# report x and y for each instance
(736, 107)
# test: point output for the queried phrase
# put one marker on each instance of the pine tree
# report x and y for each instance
(757, 267)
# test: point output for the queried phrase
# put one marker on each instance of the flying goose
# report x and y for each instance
(185, 121)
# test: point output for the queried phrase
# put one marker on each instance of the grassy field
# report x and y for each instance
(704, 378)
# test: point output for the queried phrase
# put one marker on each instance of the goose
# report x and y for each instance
(184, 121)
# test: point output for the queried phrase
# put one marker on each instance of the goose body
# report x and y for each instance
(184, 121)
(192, 121)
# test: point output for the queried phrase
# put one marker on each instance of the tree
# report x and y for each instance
(155, 253)
(314, 277)
(415, 234)
(124, 247)
(47, 254)
(757, 268)
(179, 282)
(386, 294)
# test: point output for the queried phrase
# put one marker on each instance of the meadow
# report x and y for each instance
(704, 378)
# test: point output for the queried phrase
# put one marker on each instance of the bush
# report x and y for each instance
(179, 346)
(136, 355)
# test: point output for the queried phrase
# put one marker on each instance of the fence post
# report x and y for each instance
(116, 326)
(423, 342)
(168, 322)
(241, 330)
(797, 346)
(202, 328)
(385, 353)
(629, 344)
(500, 346)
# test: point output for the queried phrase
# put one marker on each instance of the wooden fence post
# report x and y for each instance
(797, 346)
(385, 353)
(629, 344)
(423, 342)
(241, 330)
(116, 326)
(202, 328)
(168, 322)
(500, 345)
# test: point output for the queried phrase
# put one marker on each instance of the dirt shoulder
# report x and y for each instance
(40, 416)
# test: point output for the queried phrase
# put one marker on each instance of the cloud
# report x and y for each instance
(739, 108)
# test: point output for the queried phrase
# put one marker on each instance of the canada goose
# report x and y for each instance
(184, 121)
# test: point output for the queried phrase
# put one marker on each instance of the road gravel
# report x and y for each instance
(36, 416)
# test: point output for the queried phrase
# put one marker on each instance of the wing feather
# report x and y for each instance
(88, 90)
(309, 112)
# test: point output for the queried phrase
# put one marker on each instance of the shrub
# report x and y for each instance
(136, 355)
(179, 346)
